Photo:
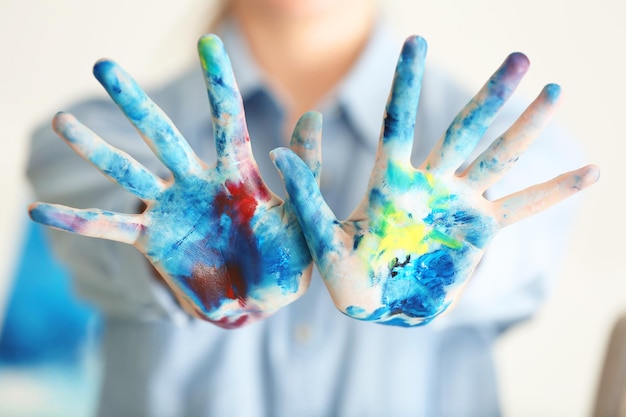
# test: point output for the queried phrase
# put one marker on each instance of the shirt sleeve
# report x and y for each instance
(523, 262)
(116, 277)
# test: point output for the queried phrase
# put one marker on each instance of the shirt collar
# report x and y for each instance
(357, 96)
(363, 93)
(250, 78)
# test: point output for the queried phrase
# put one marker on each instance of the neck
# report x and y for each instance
(304, 56)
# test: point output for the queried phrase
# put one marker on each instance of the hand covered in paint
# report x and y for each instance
(230, 249)
(403, 255)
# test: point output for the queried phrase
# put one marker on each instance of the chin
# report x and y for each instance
(297, 8)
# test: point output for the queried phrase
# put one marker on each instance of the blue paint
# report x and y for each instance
(218, 237)
(553, 92)
(61, 220)
(414, 289)
(127, 95)
(156, 128)
(319, 224)
(357, 240)
(355, 311)
(469, 225)
(399, 122)
(469, 125)
(404, 179)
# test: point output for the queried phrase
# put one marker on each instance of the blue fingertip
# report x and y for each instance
(414, 45)
(102, 70)
(278, 157)
(42, 213)
(36, 213)
(286, 160)
(552, 92)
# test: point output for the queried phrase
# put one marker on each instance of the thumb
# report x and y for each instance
(319, 224)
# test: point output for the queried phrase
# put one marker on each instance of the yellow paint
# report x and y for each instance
(404, 234)
(444, 239)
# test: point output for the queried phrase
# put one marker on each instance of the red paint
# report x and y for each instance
(243, 203)
(244, 197)
(229, 323)
(213, 285)
(225, 322)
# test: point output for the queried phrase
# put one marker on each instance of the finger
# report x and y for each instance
(470, 124)
(319, 224)
(306, 142)
(396, 140)
(154, 126)
(124, 228)
(492, 164)
(518, 206)
(112, 162)
(229, 124)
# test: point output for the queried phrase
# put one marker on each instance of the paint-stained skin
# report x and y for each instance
(231, 250)
(405, 253)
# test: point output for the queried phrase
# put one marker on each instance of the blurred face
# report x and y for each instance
(296, 8)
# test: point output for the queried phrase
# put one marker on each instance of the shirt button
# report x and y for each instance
(302, 333)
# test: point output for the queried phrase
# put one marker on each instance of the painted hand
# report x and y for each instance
(404, 254)
(230, 249)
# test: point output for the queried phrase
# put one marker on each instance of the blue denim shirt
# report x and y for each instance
(308, 359)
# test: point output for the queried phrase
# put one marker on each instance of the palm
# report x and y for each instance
(419, 241)
(231, 250)
(406, 251)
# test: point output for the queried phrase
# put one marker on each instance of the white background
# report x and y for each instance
(548, 367)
